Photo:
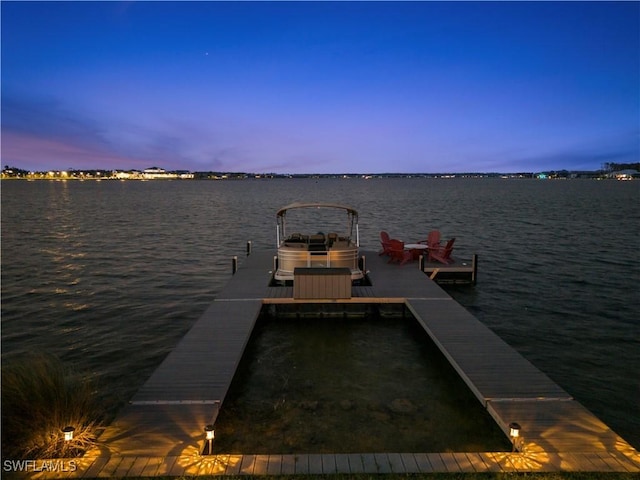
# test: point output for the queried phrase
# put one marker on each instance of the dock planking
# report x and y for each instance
(165, 419)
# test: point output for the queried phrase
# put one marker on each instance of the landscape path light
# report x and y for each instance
(210, 435)
(514, 433)
(68, 433)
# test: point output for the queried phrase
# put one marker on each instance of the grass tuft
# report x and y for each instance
(39, 398)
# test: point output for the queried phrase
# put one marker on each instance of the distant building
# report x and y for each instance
(154, 173)
(128, 175)
(625, 174)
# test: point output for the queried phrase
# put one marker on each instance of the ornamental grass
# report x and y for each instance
(40, 397)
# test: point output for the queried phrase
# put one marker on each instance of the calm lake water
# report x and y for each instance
(110, 275)
(370, 382)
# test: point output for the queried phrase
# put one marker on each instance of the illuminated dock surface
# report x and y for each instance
(161, 431)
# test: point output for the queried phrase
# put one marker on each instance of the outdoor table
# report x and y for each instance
(416, 249)
(415, 246)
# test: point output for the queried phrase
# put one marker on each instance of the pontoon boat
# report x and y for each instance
(318, 239)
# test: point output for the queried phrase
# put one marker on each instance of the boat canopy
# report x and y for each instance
(282, 212)
(352, 216)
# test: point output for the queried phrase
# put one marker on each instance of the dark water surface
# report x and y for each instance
(110, 275)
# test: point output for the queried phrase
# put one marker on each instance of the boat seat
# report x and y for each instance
(331, 238)
(318, 238)
(299, 245)
(296, 237)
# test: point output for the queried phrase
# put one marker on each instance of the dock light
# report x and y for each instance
(210, 434)
(514, 433)
(68, 433)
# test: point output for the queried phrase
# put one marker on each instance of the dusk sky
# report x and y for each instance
(320, 87)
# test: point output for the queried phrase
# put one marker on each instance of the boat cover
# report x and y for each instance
(291, 206)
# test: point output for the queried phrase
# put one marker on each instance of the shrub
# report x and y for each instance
(39, 398)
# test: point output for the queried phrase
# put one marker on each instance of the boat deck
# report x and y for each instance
(161, 431)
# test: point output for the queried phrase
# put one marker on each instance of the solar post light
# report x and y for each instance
(68, 433)
(210, 434)
(514, 433)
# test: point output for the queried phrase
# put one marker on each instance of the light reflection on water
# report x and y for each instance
(110, 275)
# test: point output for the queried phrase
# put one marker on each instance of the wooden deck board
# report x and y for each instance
(328, 463)
(288, 464)
(274, 467)
(423, 463)
(342, 463)
(355, 463)
(261, 462)
(409, 462)
(396, 463)
(315, 464)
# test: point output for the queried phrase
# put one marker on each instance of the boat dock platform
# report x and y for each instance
(161, 431)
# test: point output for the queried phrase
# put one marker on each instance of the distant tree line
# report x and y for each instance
(15, 170)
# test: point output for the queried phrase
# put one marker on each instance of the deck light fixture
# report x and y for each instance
(210, 434)
(68, 433)
(514, 433)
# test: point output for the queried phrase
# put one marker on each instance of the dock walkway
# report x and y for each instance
(161, 431)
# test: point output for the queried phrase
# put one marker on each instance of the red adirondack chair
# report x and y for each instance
(384, 240)
(442, 254)
(397, 253)
(433, 239)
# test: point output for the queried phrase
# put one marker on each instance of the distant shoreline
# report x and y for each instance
(619, 171)
(234, 177)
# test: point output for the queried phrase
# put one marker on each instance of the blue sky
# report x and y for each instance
(320, 87)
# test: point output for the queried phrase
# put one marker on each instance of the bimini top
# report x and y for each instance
(291, 206)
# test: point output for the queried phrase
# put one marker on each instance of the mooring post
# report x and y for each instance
(234, 264)
(248, 248)
(474, 267)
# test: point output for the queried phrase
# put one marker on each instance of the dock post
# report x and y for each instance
(474, 267)
(248, 248)
(234, 264)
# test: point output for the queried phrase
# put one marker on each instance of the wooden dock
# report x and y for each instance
(161, 431)
(461, 272)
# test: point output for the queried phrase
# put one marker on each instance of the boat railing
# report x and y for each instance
(288, 260)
